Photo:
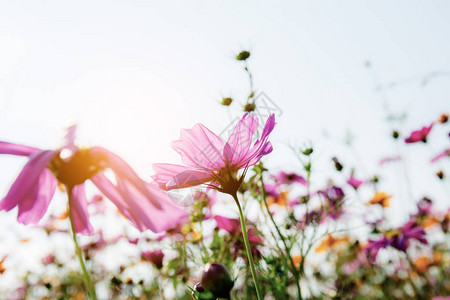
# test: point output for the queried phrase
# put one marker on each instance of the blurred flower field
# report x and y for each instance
(223, 225)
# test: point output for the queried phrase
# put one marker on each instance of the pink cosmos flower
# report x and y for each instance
(209, 160)
(289, 178)
(419, 135)
(143, 204)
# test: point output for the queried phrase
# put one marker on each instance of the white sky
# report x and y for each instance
(133, 73)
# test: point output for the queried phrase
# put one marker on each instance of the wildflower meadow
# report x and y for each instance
(236, 211)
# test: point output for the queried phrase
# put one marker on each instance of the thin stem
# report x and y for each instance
(294, 269)
(87, 278)
(247, 248)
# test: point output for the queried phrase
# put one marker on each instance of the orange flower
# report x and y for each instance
(422, 263)
(280, 199)
(429, 221)
(330, 242)
(380, 198)
(297, 259)
(2, 268)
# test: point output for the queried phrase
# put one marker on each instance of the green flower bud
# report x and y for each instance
(243, 55)
(226, 101)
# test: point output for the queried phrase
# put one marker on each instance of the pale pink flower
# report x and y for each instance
(143, 204)
(419, 135)
(209, 160)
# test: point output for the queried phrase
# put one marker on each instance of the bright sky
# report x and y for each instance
(133, 73)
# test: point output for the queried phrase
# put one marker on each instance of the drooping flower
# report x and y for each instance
(143, 204)
(289, 178)
(210, 161)
(419, 135)
(380, 198)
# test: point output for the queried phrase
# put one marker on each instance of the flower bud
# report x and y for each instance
(216, 279)
(395, 134)
(243, 55)
(249, 107)
(226, 101)
(337, 164)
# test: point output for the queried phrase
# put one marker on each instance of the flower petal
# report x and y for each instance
(200, 147)
(26, 184)
(33, 207)
(261, 147)
(123, 170)
(15, 149)
(240, 139)
(137, 208)
(169, 176)
(79, 211)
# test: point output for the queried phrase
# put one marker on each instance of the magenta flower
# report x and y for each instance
(209, 160)
(354, 182)
(143, 204)
(419, 135)
(399, 239)
(289, 178)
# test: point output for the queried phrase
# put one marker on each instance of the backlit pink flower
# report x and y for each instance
(419, 135)
(209, 160)
(143, 204)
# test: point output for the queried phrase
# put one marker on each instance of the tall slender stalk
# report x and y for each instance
(283, 239)
(247, 247)
(87, 278)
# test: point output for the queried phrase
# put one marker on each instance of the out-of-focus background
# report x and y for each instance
(131, 74)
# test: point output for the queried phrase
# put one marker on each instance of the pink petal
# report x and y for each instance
(137, 208)
(15, 149)
(419, 135)
(123, 170)
(79, 211)
(227, 224)
(240, 140)
(199, 147)
(262, 147)
(26, 184)
(69, 138)
(110, 191)
(33, 207)
(445, 153)
(169, 176)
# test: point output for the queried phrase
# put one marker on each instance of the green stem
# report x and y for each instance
(247, 248)
(87, 278)
(294, 269)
